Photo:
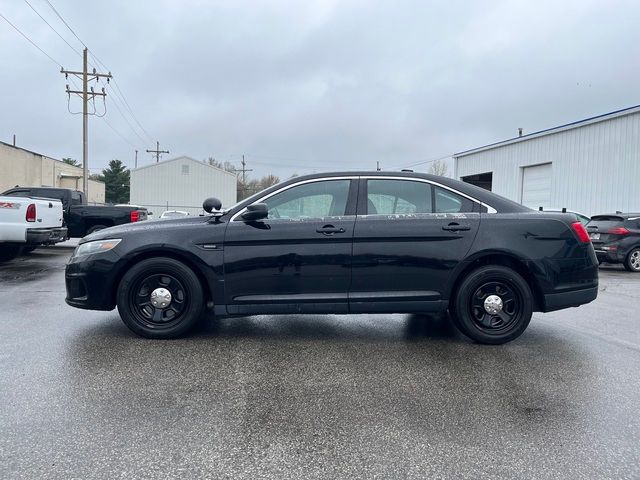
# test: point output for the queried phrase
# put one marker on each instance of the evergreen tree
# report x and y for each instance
(71, 161)
(116, 182)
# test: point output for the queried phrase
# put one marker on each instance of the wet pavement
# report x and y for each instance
(363, 396)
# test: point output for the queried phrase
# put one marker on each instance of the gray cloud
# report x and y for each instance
(301, 86)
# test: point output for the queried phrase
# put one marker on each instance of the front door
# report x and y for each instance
(409, 236)
(299, 258)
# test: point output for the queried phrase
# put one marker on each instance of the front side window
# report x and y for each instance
(326, 198)
(389, 197)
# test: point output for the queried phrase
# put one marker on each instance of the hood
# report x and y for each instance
(145, 226)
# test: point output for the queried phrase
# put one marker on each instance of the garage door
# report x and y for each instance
(536, 186)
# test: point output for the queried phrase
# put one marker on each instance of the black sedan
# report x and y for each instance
(337, 243)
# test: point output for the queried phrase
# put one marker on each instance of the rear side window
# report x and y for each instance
(447, 201)
(389, 197)
(76, 198)
(605, 222)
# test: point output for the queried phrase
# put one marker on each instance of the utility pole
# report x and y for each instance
(244, 171)
(157, 151)
(86, 77)
(136, 164)
(377, 166)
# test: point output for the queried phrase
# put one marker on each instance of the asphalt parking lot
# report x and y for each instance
(366, 396)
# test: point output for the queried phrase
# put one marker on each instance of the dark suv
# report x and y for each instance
(616, 239)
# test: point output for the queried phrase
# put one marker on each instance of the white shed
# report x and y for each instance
(181, 183)
(590, 166)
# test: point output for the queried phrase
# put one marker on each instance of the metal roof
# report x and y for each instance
(182, 158)
(549, 131)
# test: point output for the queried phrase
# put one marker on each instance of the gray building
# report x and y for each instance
(591, 166)
(181, 183)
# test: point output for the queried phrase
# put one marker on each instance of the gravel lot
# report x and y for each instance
(365, 396)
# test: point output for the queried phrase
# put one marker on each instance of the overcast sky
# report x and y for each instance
(302, 86)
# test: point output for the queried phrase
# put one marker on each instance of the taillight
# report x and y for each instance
(618, 231)
(135, 216)
(581, 232)
(31, 213)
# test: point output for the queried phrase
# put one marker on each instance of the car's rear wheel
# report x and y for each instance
(492, 305)
(160, 298)
(632, 262)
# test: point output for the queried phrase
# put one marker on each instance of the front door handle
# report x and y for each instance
(329, 230)
(456, 227)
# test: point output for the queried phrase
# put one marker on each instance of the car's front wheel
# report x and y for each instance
(632, 262)
(160, 298)
(493, 305)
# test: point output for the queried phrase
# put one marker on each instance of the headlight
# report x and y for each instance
(96, 246)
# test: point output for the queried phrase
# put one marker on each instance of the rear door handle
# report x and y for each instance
(456, 227)
(330, 230)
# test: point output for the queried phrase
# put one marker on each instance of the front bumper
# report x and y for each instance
(573, 298)
(46, 236)
(89, 281)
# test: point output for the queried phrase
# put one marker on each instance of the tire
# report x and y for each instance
(470, 313)
(179, 316)
(95, 228)
(9, 252)
(632, 262)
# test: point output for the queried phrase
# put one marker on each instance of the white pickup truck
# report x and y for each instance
(29, 222)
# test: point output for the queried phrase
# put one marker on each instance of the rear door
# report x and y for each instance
(409, 236)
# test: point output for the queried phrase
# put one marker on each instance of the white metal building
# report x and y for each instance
(590, 166)
(181, 183)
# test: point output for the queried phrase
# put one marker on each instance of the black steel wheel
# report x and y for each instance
(632, 262)
(160, 298)
(493, 305)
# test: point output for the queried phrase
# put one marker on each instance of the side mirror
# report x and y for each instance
(254, 212)
(211, 204)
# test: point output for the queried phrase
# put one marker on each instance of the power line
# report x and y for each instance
(31, 41)
(424, 162)
(67, 25)
(102, 65)
(119, 134)
(126, 120)
(56, 32)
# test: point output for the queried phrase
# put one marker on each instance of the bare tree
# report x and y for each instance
(228, 166)
(438, 167)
